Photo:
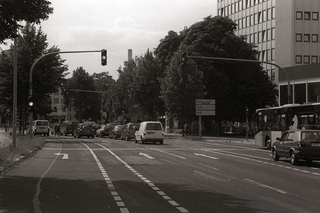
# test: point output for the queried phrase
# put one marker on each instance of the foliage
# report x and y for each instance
(85, 104)
(147, 85)
(180, 87)
(234, 85)
(47, 76)
(106, 84)
(14, 11)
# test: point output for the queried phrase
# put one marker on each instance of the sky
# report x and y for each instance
(117, 26)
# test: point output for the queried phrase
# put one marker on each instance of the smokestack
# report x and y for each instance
(129, 54)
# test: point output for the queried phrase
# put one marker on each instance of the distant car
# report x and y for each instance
(297, 144)
(107, 129)
(98, 132)
(128, 131)
(84, 129)
(41, 127)
(68, 127)
(116, 132)
(150, 131)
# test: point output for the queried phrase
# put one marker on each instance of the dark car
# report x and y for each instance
(297, 144)
(107, 129)
(128, 131)
(84, 129)
(68, 127)
(116, 132)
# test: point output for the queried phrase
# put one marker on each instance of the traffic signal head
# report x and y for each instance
(31, 103)
(183, 58)
(103, 57)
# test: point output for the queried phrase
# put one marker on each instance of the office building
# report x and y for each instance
(285, 32)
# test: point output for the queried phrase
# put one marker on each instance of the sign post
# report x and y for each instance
(205, 107)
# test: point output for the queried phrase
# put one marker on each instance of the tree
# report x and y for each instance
(48, 74)
(147, 85)
(180, 87)
(14, 11)
(234, 85)
(106, 84)
(85, 104)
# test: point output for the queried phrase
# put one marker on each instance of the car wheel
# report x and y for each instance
(141, 140)
(161, 142)
(127, 138)
(78, 136)
(114, 136)
(293, 158)
(274, 154)
(135, 139)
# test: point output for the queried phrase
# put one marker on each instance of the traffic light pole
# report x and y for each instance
(252, 61)
(30, 79)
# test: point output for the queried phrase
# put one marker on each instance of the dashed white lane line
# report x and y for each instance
(266, 186)
(156, 189)
(114, 193)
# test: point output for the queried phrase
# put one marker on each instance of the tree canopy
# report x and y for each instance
(12, 12)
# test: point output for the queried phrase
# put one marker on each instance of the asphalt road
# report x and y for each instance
(107, 175)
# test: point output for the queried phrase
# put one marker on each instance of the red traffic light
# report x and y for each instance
(103, 57)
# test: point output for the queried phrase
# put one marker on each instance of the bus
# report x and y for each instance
(272, 122)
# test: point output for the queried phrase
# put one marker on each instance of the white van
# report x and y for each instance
(40, 127)
(150, 131)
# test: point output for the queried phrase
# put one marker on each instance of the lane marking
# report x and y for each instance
(206, 156)
(159, 150)
(65, 156)
(266, 186)
(146, 155)
(156, 189)
(114, 193)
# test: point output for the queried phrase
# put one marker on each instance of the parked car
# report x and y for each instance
(68, 127)
(116, 132)
(128, 131)
(297, 144)
(150, 131)
(107, 129)
(84, 129)
(98, 132)
(41, 127)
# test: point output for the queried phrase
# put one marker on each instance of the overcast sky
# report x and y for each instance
(117, 26)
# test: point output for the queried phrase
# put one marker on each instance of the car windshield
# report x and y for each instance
(154, 126)
(310, 135)
(42, 123)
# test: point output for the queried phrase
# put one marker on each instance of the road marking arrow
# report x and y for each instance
(206, 156)
(65, 156)
(148, 156)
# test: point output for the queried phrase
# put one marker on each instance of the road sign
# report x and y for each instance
(205, 101)
(205, 107)
(212, 112)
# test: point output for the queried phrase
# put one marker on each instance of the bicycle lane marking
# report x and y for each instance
(156, 189)
(114, 193)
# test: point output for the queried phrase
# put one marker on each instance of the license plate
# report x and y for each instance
(315, 144)
(150, 133)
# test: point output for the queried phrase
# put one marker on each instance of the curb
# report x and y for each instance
(4, 169)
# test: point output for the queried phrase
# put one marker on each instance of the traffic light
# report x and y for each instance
(183, 58)
(31, 103)
(103, 57)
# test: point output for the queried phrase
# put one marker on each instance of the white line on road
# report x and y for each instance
(146, 155)
(65, 156)
(266, 186)
(178, 156)
(206, 156)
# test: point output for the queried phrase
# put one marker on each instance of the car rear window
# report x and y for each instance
(154, 126)
(42, 123)
(134, 126)
(310, 136)
(88, 126)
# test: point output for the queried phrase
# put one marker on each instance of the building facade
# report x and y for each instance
(285, 32)
(60, 112)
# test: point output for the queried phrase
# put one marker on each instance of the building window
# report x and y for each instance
(273, 12)
(315, 15)
(273, 35)
(259, 17)
(298, 59)
(263, 36)
(269, 14)
(256, 18)
(273, 75)
(306, 15)
(298, 37)
(272, 54)
(268, 34)
(299, 15)
(314, 59)
(306, 37)
(306, 59)
(55, 109)
(314, 37)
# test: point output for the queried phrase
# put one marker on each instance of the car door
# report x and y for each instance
(279, 146)
(287, 144)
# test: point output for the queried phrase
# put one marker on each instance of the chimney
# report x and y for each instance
(129, 54)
